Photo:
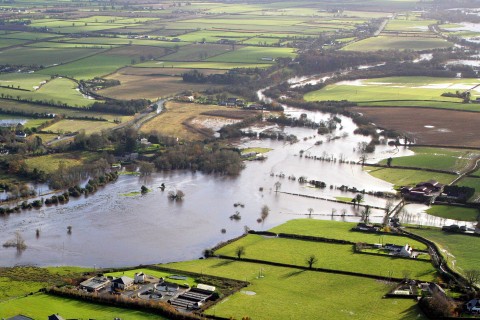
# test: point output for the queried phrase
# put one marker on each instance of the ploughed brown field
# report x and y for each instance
(429, 126)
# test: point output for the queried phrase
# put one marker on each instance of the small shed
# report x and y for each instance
(139, 277)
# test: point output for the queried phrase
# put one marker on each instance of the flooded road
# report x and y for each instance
(112, 229)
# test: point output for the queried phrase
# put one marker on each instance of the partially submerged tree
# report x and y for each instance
(16, 242)
(264, 213)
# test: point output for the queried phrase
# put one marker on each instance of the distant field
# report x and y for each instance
(254, 55)
(397, 43)
(149, 87)
(197, 52)
(201, 65)
(44, 56)
(67, 125)
(405, 177)
(49, 163)
(436, 158)
(310, 293)
(454, 213)
(458, 245)
(409, 25)
(429, 126)
(330, 256)
(340, 231)
(172, 121)
(59, 90)
(398, 91)
(101, 64)
(27, 81)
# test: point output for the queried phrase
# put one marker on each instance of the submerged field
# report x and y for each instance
(399, 91)
(436, 158)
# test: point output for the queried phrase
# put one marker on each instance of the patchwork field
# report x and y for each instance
(69, 126)
(400, 91)
(51, 162)
(429, 126)
(312, 293)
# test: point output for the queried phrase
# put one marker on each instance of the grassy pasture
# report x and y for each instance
(341, 231)
(436, 158)
(254, 55)
(285, 286)
(397, 43)
(49, 163)
(408, 25)
(405, 177)
(58, 90)
(454, 213)
(214, 35)
(397, 91)
(197, 52)
(459, 246)
(330, 256)
(100, 64)
(27, 81)
(66, 125)
(40, 306)
(28, 35)
(126, 41)
(52, 44)
(4, 43)
(44, 56)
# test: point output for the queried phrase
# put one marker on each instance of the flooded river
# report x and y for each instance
(112, 229)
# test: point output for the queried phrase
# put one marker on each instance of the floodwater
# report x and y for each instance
(112, 229)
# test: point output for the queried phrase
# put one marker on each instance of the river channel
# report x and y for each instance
(111, 229)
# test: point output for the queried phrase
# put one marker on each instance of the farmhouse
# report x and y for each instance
(473, 305)
(139, 277)
(122, 283)
(95, 284)
(423, 191)
(402, 251)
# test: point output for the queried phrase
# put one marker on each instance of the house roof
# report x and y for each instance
(55, 317)
(123, 280)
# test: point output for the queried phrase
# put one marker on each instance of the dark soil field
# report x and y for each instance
(429, 126)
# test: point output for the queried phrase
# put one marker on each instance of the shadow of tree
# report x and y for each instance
(222, 263)
(292, 274)
(413, 312)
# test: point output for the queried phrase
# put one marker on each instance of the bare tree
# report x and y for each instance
(310, 211)
(277, 186)
(366, 214)
(311, 260)
(472, 276)
(264, 213)
(240, 251)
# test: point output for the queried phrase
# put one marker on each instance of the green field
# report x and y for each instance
(200, 65)
(40, 306)
(155, 273)
(436, 158)
(397, 43)
(330, 256)
(458, 246)
(59, 91)
(340, 231)
(454, 213)
(398, 91)
(44, 56)
(254, 55)
(310, 295)
(50, 163)
(406, 177)
(27, 81)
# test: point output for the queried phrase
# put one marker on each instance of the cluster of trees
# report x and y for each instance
(65, 176)
(124, 107)
(229, 78)
(208, 158)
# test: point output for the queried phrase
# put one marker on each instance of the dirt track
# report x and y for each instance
(429, 126)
